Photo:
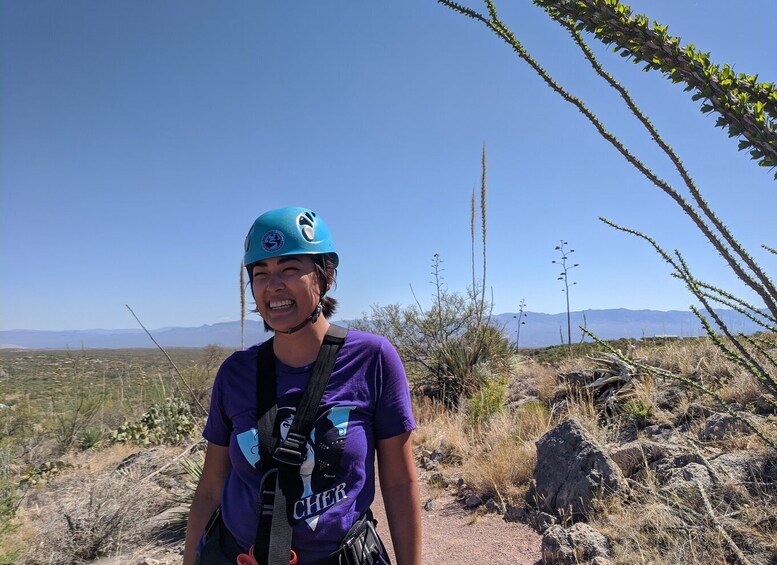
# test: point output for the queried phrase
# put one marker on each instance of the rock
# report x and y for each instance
(668, 398)
(149, 561)
(543, 521)
(494, 506)
(697, 411)
(428, 464)
(632, 456)
(579, 543)
(661, 432)
(473, 501)
(685, 481)
(754, 470)
(438, 479)
(572, 470)
(719, 426)
(429, 505)
(515, 513)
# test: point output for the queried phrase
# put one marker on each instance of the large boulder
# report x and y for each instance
(577, 544)
(572, 470)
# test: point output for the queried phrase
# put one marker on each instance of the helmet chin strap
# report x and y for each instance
(309, 320)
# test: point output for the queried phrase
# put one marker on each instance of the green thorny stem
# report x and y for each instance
(663, 373)
(701, 291)
(745, 107)
(760, 282)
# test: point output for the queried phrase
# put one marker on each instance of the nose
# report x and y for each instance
(274, 281)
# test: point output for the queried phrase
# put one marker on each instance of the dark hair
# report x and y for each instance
(327, 276)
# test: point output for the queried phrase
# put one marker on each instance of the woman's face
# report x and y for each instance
(286, 290)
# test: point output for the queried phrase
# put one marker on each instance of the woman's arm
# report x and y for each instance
(206, 498)
(399, 484)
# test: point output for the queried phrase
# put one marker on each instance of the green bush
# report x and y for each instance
(442, 346)
(637, 412)
(90, 439)
(487, 402)
(167, 423)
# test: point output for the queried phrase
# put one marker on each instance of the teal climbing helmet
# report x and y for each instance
(288, 231)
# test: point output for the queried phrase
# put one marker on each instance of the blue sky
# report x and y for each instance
(139, 140)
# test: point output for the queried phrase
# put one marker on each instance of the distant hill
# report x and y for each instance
(539, 330)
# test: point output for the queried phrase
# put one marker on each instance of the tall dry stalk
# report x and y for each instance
(242, 304)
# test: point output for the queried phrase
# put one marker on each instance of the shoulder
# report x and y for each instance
(237, 363)
(368, 340)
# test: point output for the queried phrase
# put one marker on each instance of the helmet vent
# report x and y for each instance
(306, 223)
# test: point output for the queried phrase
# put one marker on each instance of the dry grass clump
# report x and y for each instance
(496, 458)
(539, 378)
(87, 517)
(441, 429)
(501, 462)
(688, 357)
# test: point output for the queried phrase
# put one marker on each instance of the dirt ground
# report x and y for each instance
(453, 534)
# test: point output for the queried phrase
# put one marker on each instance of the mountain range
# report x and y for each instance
(538, 330)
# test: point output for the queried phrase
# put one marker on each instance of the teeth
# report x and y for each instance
(280, 304)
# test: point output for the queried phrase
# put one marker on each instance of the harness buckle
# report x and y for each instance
(292, 451)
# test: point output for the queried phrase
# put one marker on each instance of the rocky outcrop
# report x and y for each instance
(572, 470)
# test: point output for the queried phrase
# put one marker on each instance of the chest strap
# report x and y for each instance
(273, 535)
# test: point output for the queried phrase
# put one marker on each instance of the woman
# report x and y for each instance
(365, 409)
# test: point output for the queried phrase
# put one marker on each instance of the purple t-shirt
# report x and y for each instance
(367, 399)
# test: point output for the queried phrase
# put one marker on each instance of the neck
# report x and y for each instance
(301, 347)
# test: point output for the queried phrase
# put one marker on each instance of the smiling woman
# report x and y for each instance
(327, 470)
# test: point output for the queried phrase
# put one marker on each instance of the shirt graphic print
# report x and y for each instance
(322, 473)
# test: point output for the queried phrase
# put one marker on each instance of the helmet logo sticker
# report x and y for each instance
(272, 241)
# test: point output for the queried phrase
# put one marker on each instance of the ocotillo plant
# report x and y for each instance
(745, 108)
(564, 278)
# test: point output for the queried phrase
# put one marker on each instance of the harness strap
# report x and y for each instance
(273, 535)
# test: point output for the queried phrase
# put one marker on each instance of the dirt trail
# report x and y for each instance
(453, 534)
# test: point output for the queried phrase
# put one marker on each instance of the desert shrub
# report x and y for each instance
(637, 412)
(442, 346)
(76, 416)
(487, 402)
(44, 472)
(90, 517)
(166, 423)
(192, 468)
(9, 492)
(90, 439)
